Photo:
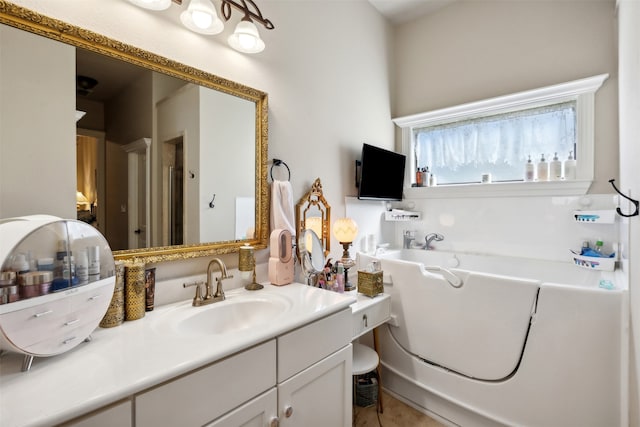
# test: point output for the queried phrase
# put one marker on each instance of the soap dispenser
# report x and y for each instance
(543, 169)
(570, 167)
(555, 168)
(529, 170)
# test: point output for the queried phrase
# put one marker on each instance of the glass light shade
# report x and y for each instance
(345, 230)
(152, 4)
(246, 38)
(201, 17)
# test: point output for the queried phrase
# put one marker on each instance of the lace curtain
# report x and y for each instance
(500, 144)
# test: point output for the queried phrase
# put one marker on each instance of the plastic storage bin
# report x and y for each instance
(54, 311)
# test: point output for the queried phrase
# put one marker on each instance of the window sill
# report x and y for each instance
(500, 189)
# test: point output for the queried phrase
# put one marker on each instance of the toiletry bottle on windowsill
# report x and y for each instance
(555, 168)
(570, 167)
(529, 170)
(543, 169)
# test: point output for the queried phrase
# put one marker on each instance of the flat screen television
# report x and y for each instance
(381, 174)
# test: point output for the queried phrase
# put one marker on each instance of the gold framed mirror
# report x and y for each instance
(161, 249)
(314, 213)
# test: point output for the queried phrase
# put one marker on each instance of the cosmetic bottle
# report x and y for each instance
(570, 167)
(432, 180)
(529, 170)
(419, 177)
(555, 168)
(94, 263)
(82, 267)
(543, 169)
(425, 176)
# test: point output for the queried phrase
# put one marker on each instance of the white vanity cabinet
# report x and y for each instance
(207, 393)
(118, 414)
(313, 373)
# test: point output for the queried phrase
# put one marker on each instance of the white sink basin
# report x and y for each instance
(237, 312)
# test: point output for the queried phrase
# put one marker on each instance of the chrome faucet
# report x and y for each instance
(209, 296)
(408, 237)
(430, 238)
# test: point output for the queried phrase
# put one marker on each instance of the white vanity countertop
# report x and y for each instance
(127, 359)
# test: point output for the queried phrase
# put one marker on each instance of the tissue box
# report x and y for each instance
(370, 284)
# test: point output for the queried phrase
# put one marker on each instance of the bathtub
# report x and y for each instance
(486, 341)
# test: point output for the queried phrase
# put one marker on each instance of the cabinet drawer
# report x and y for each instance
(203, 395)
(118, 414)
(372, 315)
(307, 345)
(30, 325)
(62, 340)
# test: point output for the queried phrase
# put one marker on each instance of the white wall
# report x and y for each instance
(629, 63)
(47, 118)
(227, 161)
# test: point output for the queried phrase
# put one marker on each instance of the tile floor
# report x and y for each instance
(396, 414)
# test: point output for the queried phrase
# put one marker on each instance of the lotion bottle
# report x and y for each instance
(555, 168)
(543, 169)
(570, 167)
(529, 170)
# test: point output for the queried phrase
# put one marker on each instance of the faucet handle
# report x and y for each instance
(197, 300)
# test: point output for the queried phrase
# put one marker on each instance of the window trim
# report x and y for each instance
(582, 91)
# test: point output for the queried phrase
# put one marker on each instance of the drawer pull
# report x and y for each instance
(288, 411)
(365, 320)
(95, 297)
(275, 422)
(44, 313)
(71, 322)
(69, 340)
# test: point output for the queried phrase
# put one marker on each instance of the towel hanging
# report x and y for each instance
(278, 162)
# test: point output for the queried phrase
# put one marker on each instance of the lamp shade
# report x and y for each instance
(345, 230)
(201, 17)
(246, 38)
(152, 4)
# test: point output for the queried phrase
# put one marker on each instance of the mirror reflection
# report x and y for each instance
(312, 257)
(198, 184)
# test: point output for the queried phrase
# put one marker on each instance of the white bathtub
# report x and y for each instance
(504, 341)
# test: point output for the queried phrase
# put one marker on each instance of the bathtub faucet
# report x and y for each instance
(408, 237)
(430, 238)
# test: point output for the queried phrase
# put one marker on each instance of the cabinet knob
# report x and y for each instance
(288, 411)
(365, 320)
(275, 422)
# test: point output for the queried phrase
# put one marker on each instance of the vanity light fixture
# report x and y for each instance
(201, 17)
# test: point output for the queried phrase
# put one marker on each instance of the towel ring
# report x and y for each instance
(278, 162)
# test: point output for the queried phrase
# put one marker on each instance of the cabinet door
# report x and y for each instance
(259, 412)
(320, 395)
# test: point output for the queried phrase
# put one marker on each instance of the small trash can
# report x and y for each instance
(366, 389)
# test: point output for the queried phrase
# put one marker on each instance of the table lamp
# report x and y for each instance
(346, 230)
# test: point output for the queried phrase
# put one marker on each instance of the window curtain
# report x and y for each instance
(506, 139)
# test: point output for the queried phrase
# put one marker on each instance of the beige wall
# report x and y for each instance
(474, 50)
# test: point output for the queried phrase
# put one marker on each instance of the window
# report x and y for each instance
(460, 152)
(497, 135)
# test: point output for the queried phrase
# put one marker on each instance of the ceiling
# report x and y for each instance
(399, 11)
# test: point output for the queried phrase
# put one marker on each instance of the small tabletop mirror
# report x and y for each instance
(314, 213)
(311, 255)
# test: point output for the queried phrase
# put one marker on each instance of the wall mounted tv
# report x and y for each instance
(381, 174)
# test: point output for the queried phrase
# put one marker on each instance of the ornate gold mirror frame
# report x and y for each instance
(314, 200)
(36, 23)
